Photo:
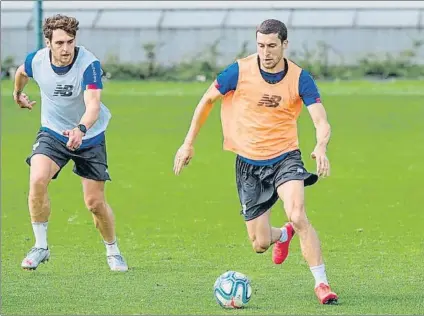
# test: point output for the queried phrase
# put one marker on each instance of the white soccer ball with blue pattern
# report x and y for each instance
(232, 290)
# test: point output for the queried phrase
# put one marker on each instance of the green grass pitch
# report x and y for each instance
(179, 234)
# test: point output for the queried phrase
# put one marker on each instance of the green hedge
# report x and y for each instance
(204, 66)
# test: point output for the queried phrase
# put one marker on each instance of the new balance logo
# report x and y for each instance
(271, 101)
(63, 90)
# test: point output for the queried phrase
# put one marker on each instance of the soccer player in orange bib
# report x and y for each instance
(262, 97)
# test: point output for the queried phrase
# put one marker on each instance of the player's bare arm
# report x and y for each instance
(21, 80)
(201, 113)
(323, 132)
(92, 104)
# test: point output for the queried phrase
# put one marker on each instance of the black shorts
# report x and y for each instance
(257, 185)
(90, 162)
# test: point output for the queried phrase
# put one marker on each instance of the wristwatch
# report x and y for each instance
(82, 128)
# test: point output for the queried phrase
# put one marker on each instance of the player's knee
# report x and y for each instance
(95, 204)
(38, 186)
(299, 219)
(261, 245)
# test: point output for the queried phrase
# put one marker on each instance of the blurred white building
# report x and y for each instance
(183, 29)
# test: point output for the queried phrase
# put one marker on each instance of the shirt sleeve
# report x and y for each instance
(308, 89)
(226, 81)
(28, 64)
(92, 78)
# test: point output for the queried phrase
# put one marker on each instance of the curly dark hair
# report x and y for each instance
(60, 22)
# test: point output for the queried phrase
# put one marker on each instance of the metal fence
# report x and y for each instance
(183, 32)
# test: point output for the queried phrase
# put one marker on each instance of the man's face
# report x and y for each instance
(62, 46)
(270, 49)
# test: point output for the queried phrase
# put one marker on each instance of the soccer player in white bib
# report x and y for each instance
(73, 124)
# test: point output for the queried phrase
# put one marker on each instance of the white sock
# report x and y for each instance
(40, 233)
(284, 235)
(319, 274)
(112, 248)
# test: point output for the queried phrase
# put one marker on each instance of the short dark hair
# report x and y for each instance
(60, 22)
(272, 26)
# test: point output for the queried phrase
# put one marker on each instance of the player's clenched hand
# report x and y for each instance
(323, 165)
(183, 157)
(23, 100)
(75, 138)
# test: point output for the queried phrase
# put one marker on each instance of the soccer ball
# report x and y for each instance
(232, 290)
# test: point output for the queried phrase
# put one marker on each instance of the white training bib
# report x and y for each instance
(62, 96)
